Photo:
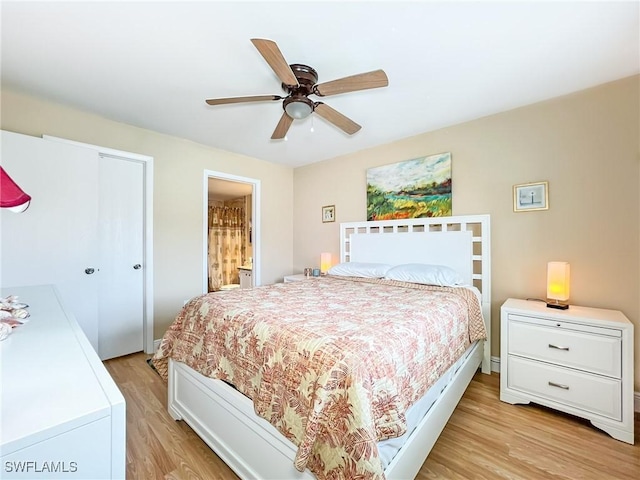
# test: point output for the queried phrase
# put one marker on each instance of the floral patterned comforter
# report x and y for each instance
(333, 363)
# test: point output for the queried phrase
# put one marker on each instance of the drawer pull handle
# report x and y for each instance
(559, 385)
(558, 348)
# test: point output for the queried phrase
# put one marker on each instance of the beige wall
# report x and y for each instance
(178, 194)
(586, 145)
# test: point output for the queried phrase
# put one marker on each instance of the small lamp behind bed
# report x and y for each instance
(558, 279)
(325, 262)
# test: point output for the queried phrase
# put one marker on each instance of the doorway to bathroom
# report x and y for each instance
(231, 233)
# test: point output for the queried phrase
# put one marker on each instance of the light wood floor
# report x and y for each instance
(484, 439)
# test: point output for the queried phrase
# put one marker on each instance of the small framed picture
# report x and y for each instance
(328, 213)
(528, 197)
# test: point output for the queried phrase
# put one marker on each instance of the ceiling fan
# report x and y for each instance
(300, 81)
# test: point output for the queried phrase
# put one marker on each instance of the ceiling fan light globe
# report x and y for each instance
(298, 110)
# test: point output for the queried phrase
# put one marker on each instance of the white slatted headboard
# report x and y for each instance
(453, 249)
(460, 242)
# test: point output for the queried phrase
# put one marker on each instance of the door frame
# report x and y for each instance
(255, 223)
(147, 164)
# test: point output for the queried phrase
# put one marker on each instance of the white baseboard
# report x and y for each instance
(495, 364)
(156, 345)
(495, 367)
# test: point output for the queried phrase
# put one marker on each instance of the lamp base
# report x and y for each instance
(557, 305)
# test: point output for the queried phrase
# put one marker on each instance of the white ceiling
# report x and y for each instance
(153, 64)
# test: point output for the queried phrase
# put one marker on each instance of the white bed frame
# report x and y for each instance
(252, 447)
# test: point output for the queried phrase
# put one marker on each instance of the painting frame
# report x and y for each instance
(536, 192)
(415, 188)
(328, 213)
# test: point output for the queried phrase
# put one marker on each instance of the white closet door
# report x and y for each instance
(54, 241)
(120, 240)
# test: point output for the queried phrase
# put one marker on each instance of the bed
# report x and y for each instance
(335, 417)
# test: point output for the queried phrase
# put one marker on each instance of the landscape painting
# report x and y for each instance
(411, 189)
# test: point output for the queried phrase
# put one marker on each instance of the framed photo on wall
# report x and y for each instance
(328, 213)
(529, 197)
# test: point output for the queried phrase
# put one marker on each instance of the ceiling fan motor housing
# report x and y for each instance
(307, 77)
(297, 104)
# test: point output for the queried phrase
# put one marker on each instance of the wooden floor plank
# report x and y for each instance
(158, 447)
(484, 439)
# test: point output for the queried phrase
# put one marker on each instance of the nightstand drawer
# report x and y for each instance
(585, 351)
(592, 393)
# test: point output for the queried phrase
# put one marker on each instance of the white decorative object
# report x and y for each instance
(5, 331)
(579, 361)
(58, 403)
(12, 314)
(253, 448)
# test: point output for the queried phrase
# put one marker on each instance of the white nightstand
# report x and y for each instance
(579, 361)
(296, 278)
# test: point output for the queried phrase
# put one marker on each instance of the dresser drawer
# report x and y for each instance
(592, 393)
(599, 354)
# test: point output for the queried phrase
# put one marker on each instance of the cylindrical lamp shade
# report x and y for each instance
(325, 262)
(558, 279)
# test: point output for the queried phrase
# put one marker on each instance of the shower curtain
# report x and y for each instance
(226, 245)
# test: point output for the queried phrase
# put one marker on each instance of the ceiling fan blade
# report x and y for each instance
(283, 127)
(361, 81)
(254, 98)
(272, 54)
(335, 117)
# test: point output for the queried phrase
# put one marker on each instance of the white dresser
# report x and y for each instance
(579, 361)
(61, 413)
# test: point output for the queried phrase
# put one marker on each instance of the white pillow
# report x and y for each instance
(425, 274)
(359, 269)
